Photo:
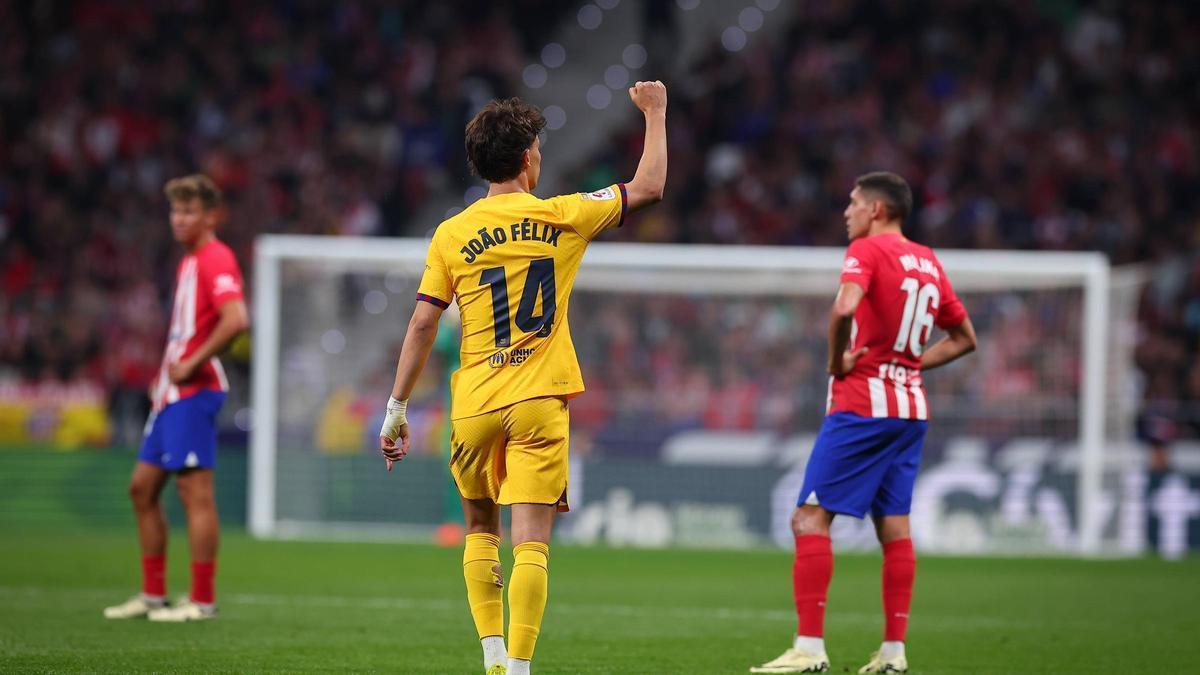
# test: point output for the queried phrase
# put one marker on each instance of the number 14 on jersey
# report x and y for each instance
(538, 281)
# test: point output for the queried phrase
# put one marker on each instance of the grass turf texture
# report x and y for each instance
(300, 606)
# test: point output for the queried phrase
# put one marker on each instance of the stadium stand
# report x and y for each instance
(344, 119)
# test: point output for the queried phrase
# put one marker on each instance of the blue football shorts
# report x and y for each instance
(183, 435)
(864, 463)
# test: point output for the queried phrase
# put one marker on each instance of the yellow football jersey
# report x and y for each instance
(510, 261)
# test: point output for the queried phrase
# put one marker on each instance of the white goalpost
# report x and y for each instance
(691, 319)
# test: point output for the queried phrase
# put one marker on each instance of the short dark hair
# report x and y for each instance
(889, 188)
(499, 135)
(195, 186)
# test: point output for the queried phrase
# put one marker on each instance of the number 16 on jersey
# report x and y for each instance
(916, 320)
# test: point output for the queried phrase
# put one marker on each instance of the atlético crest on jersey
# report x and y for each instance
(599, 195)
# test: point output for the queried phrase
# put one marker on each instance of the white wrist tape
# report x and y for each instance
(395, 418)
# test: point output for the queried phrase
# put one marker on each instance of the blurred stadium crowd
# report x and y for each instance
(1021, 125)
(1033, 125)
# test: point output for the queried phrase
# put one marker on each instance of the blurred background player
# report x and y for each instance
(1156, 429)
(866, 455)
(181, 435)
(510, 260)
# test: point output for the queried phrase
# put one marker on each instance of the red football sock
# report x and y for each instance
(154, 580)
(810, 582)
(899, 570)
(202, 581)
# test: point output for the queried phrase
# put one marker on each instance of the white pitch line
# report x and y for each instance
(939, 622)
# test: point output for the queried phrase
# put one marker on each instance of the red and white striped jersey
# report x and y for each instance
(907, 293)
(205, 280)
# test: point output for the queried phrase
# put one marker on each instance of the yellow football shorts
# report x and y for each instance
(514, 455)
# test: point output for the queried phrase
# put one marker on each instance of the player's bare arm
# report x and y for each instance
(418, 343)
(650, 179)
(959, 341)
(233, 320)
(841, 317)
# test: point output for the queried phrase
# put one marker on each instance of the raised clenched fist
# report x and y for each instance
(649, 96)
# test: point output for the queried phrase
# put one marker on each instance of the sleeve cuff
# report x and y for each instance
(624, 204)
(221, 300)
(952, 321)
(436, 302)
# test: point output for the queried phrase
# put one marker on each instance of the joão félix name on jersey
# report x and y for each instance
(522, 231)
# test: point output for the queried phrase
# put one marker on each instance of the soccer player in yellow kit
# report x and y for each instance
(510, 260)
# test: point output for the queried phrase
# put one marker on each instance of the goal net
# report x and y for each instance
(705, 379)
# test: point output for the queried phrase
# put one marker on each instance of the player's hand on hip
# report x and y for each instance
(180, 372)
(649, 96)
(849, 359)
(393, 452)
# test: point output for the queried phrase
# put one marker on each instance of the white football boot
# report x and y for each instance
(795, 661)
(878, 664)
(134, 608)
(185, 610)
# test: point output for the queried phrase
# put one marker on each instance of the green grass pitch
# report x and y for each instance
(301, 606)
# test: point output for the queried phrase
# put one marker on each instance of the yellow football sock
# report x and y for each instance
(527, 597)
(484, 592)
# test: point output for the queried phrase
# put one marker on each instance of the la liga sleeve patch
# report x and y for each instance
(604, 195)
(226, 284)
